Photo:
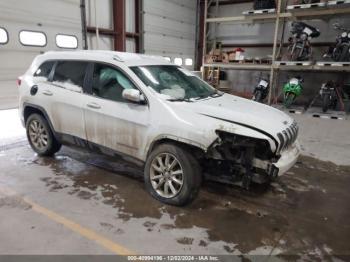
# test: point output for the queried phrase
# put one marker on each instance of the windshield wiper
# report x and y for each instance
(200, 97)
(217, 94)
(179, 100)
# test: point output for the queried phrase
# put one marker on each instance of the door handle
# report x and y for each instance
(94, 105)
(47, 92)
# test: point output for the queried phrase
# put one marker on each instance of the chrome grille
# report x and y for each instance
(288, 136)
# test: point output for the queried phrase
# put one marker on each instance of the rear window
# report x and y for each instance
(70, 75)
(44, 71)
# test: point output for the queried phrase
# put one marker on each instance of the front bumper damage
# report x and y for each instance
(240, 160)
(288, 158)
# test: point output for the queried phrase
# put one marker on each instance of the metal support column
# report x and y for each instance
(83, 23)
(119, 24)
(274, 50)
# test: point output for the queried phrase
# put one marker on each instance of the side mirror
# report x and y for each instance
(133, 95)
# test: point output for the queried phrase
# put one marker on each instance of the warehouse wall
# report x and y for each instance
(170, 28)
(99, 14)
(262, 33)
(48, 16)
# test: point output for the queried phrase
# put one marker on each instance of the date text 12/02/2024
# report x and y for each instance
(173, 258)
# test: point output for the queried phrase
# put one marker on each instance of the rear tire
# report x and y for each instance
(295, 55)
(40, 136)
(172, 175)
(258, 96)
(341, 53)
(325, 104)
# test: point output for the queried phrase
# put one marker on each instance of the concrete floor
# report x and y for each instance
(80, 203)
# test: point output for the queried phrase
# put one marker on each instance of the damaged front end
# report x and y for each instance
(237, 159)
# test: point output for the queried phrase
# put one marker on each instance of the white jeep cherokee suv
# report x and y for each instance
(143, 108)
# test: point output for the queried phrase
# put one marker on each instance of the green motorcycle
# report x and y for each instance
(291, 90)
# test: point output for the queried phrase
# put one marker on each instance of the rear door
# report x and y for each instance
(65, 97)
(110, 120)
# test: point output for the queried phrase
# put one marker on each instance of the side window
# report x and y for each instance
(43, 72)
(70, 75)
(109, 83)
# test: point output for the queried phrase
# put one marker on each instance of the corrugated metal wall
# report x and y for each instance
(48, 16)
(99, 13)
(170, 28)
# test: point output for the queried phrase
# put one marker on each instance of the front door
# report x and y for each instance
(110, 120)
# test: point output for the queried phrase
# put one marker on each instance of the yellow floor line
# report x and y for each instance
(83, 231)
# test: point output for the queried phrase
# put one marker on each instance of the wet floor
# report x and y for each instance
(304, 215)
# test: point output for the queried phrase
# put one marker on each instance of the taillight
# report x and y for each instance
(19, 82)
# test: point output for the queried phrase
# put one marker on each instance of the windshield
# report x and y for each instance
(174, 83)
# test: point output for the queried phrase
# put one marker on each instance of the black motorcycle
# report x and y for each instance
(261, 90)
(340, 51)
(329, 96)
(264, 4)
(299, 47)
(302, 2)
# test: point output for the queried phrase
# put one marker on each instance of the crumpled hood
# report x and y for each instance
(242, 111)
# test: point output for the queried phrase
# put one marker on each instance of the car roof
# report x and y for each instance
(129, 59)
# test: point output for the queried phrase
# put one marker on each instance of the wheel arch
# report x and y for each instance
(197, 149)
(29, 109)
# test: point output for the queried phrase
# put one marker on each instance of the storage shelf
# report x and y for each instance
(312, 68)
(307, 14)
(276, 66)
(240, 66)
(278, 17)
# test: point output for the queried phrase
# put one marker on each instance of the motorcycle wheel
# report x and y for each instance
(341, 53)
(289, 99)
(257, 96)
(325, 103)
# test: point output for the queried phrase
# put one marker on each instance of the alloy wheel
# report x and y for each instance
(166, 175)
(38, 135)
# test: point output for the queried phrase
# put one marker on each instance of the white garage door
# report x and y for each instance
(170, 29)
(29, 28)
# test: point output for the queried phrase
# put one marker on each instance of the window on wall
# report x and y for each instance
(66, 41)
(32, 38)
(188, 61)
(178, 61)
(167, 58)
(4, 38)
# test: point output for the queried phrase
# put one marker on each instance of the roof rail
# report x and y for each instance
(118, 58)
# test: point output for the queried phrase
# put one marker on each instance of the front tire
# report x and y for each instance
(172, 175)
(40, 136)
(288, 100)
